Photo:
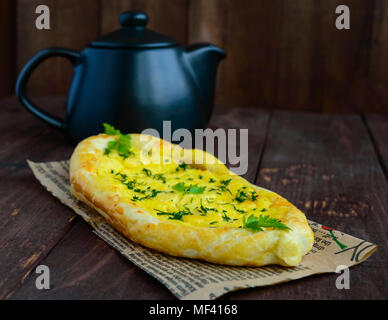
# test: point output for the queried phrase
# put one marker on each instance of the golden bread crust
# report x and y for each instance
(222, 245)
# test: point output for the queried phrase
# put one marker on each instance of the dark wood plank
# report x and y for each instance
(25, 137)
(289, 54)
(256, 121)
(167, 19)
(378, 126)
(32, 221)
(82, 262)
(321, 66)
(283, 53)
(249, 34)
(84, 267)
(327, 166)
(73, 25)
(7, 48)
(368, 92)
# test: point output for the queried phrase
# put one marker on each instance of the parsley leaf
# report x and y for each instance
(258, 223)
(179, 187)
(110, 130)
(122, 145)
(194, 189)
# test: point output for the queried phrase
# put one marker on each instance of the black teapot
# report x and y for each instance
(132, 78)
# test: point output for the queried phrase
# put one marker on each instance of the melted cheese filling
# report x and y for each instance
(181, 193)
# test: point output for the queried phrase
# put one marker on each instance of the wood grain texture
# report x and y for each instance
(369, 87)
(326, 165)
(169, 18)
(256, 121)
(23, 136)
(84, 267)
(281, 54)
(249, 34)
(32, 222)
(73, 25)
(378, 127)
(7, 47)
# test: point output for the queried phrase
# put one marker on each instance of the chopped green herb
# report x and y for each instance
(241, 195)
(213, 222)
(147, 172)
(225, 217)
(253, 195)
(224, 189)
(226, 182)
(135, 198)
(123, 178)
(150, 195)
(182, 166)
(139, 190)
(211, 180)
(239, 210)
(122, 145)
(258, 223)
(160, 177)
(194, 189)
(204, 210)
(174, 215)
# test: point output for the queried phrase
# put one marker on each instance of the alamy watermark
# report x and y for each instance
(343, 280)
(230, 148)
(42, 22)
(343, 20)
(43, 280)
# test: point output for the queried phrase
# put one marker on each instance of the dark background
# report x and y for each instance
(281, 53)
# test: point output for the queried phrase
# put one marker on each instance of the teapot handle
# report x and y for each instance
(25, 74)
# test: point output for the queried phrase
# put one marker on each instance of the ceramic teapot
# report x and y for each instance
(134, 79)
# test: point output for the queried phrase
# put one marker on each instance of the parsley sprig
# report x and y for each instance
(255, 223)
(123, 143)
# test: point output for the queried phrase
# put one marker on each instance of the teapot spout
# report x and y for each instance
(204, 59)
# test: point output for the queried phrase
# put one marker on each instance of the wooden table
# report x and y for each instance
(333, 167)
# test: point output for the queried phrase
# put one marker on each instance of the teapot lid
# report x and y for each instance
(133, 34)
